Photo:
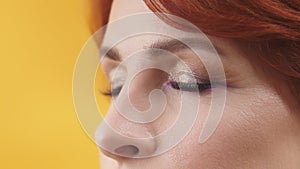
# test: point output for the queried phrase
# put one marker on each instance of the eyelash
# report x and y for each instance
(189, 87)
(114, 92)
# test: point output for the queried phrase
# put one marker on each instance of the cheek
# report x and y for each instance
(252, 120)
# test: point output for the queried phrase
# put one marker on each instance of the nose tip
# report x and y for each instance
(138, 143)
(128, 150)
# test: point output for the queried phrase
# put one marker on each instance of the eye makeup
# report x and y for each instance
(183, 81)
(186, 75)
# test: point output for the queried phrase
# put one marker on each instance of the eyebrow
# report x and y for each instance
(112, 53)
(172, 45)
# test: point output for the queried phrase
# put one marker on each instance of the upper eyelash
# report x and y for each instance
(111, 92)
(180, 85)
(176, 85)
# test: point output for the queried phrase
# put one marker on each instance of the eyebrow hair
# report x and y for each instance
(112, 53)
(172, 45)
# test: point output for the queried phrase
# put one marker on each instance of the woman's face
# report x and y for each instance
(257, 130)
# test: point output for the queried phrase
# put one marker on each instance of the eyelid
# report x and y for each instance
(117, 78)
(188, 77)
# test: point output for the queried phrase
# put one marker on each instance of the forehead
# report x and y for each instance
(121, 8)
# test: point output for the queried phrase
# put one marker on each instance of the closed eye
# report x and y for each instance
(189, 87)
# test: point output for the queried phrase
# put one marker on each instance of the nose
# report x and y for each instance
(121, 138)
(118, 136)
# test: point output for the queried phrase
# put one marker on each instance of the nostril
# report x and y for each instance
(127, 150)
(140, 144)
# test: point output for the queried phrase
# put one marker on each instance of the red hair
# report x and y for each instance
(269, 27)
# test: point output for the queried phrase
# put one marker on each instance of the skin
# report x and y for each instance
(258, 129)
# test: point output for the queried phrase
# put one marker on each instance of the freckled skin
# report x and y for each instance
(257, 130)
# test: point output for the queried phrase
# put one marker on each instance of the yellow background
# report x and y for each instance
(40, 41)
